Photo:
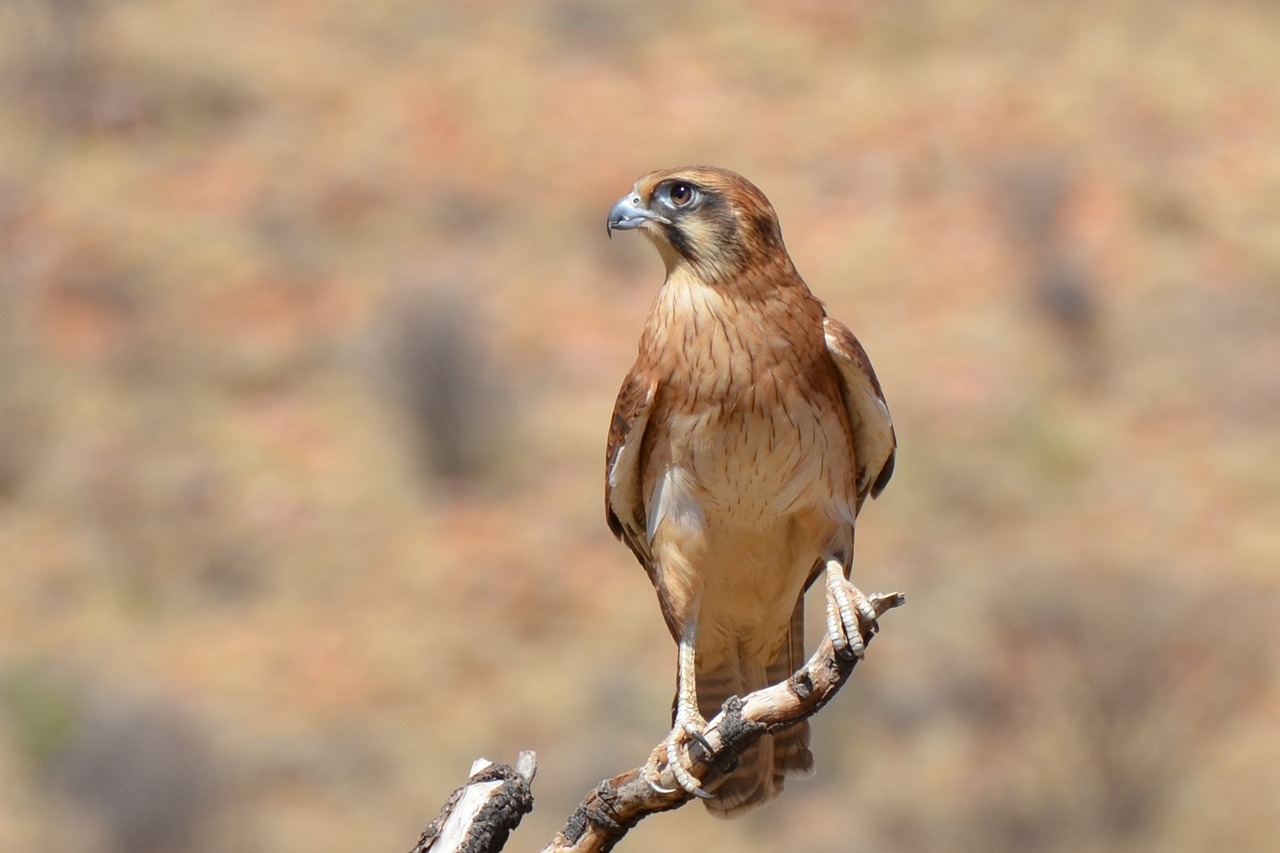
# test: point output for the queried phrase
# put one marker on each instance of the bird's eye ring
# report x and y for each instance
(681, 194)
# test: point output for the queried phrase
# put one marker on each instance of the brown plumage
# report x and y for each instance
(743, 443)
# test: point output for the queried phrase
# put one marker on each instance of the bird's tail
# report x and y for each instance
(760, 773)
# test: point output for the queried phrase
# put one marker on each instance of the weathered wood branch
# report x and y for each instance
(608, 812)
(478, 817)
(614, 806)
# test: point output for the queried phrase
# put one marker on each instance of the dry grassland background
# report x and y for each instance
(310, 331)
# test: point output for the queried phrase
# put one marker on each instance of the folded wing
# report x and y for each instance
(874, 441)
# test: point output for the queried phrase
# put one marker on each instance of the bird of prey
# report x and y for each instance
(743, 443)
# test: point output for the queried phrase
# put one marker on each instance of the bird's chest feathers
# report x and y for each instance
(749, 402)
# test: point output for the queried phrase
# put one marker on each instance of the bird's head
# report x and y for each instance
(713, 221)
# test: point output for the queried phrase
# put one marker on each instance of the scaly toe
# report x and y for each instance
(684, 778)
(848, 610)
(867, 611)
(652, 773)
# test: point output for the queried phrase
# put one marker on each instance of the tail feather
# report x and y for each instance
(791, 753)
(762, 770)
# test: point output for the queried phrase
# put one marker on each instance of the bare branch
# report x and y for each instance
(479, 816)
(608, 812)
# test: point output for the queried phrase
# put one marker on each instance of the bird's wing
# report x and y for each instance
(874, 442)
(624, 470)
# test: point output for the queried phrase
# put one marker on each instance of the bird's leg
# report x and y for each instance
(848, 610)
(689, 723)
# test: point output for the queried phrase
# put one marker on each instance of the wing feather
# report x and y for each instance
(874, 442)
(624, 468)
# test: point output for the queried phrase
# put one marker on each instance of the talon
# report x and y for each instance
(692, 731)
(658, 789)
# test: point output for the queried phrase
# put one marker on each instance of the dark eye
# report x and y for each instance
(681, 194)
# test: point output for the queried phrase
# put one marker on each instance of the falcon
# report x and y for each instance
(743, 443)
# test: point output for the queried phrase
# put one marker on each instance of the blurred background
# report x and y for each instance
(310, 333)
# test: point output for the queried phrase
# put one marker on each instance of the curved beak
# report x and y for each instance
(628, 213)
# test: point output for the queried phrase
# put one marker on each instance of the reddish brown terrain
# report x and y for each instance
(310, 332)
